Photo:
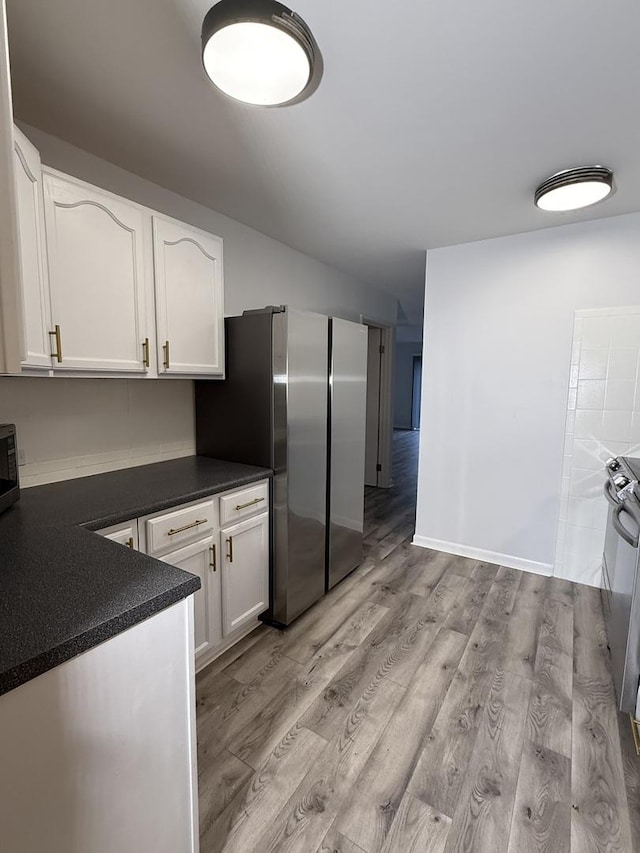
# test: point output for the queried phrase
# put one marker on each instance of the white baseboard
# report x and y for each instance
(486, 556)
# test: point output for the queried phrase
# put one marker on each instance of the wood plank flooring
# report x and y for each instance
(428, 704)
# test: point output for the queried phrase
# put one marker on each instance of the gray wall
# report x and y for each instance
(404, 383)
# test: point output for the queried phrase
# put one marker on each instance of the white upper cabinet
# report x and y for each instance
(97, 278)
(11, 323)
(189, 299)
(36, 311)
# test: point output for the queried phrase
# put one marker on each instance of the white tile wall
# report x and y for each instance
(603, 420)
(74, 427)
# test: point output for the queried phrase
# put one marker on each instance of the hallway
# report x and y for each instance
(428, 703)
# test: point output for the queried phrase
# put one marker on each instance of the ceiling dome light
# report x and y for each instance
(260, 52)
(574, 188)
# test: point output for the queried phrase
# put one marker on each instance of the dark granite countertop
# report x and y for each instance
(63, 589)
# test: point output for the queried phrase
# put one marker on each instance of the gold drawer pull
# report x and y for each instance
(130, 543)
(165, 349)
(249, 503)
(58, 338)
(146, 361)
(196, 523)
(230, 551)
(212, 550)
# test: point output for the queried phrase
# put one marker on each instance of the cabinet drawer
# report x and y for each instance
(170, 530)
(244, 503)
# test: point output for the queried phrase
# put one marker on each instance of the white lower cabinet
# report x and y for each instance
(201, 559)
(232, 563)
(123, 534)
(245, 572)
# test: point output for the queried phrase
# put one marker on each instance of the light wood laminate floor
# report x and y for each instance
(428, 704)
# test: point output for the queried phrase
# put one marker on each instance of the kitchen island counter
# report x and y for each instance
(64, 589)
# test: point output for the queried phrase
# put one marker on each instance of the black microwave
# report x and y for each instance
(9, 484)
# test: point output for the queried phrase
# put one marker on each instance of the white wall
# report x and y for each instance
(70, 427)
(74, 427)
(498, 332)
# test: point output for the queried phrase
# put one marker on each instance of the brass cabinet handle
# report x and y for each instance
(230, 551)
(58, 338)
(635, 731)
(249, 503)
(195, 523)
(165, 349)
(130, 543)
(212, 549)
(145, 353)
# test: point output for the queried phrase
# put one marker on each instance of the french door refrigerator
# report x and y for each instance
(295, 400)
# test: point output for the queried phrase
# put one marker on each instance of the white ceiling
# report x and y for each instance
(433, 124)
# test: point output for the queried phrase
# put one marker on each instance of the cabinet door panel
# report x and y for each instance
(124, 534)
(189, 299)
(245, 572)
(198, 559)
(35, 285)
(95, 246)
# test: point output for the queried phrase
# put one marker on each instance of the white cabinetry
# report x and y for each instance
(123, 534)
(94, 284)
(201, 559)
(11, 323)
(189, 299)
(172, 529)
(245, 572)
(97, 278)
(36, 311)
(232, 563)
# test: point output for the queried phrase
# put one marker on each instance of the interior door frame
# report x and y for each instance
(385, 424)
(414, 358)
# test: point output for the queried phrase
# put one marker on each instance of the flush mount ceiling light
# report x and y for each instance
(260, 52)
(574, 188)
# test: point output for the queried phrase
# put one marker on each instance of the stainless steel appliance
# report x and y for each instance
(295, 400)
(621, 577)
(9, 483)
(347, 426)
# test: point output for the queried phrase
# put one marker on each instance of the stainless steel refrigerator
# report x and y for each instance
(295, 400)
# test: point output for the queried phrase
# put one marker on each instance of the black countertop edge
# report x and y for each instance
(168, 503)
(75, 646)
(63, 588)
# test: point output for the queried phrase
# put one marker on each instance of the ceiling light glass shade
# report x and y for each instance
(572, 189)
(260, 52)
